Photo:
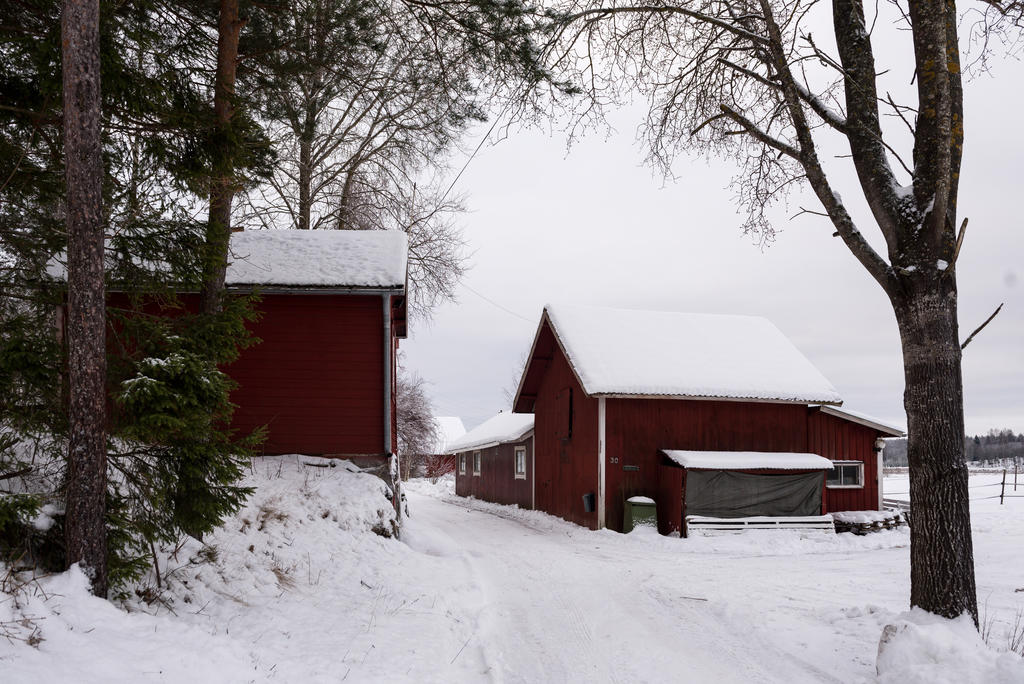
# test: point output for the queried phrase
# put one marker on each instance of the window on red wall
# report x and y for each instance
(845, 475)
(462, 464)
(476, 462)
(520, 463)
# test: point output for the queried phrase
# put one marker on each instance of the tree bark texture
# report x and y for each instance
(85, 529)
(222, 182)
(919, 230)
(305, 182)
(941, 549)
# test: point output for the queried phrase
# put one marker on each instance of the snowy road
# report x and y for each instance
(297, 588)
(558, 605)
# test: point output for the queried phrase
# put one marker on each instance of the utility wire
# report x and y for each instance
(472, 156)
(494, 303)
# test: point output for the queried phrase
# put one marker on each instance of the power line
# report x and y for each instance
(494, 303)
(474, 153)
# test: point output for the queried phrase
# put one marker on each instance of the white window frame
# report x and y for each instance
(477, 464)
(860, 476)
(516, 454)
(462, 464)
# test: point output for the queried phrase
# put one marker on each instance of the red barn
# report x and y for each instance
(494, 460)
(333, 308)
(617, 393)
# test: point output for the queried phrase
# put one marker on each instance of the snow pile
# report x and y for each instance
(292, 588)
(57, 631)
(747, 460)
(662, 354)
(439, 488)
(318, 258)
(864, 517)
(504, 427)
(922, 648)
(641, 500)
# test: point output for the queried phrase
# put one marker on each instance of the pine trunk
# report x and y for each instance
(305, 181)
(85, 529)
(941, 550)
(222, 183)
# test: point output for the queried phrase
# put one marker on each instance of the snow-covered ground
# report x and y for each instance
(299, 588)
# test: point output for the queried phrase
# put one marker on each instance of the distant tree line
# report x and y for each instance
(995, 445)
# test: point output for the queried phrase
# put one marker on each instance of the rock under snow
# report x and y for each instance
(923, 648)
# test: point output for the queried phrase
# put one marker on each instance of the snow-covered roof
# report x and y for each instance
(318, 258)
(670, 354)
(504, 427)
(885, 427)
(302, 258)
(747, 460)
(448, 429)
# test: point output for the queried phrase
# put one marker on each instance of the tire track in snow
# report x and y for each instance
(576, 574)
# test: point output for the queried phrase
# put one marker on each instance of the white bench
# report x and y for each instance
(705, 524)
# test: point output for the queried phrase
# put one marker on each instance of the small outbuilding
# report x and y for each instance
(333, 309)
(636, 403)
(495, 460)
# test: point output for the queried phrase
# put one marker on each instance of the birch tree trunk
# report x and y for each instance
(222, 183)
(85, 530)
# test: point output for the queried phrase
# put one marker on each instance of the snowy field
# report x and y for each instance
(303, 586)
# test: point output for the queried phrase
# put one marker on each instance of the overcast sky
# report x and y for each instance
(593, 225)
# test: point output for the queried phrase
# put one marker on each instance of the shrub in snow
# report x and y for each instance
(923, 648)
(173, 462)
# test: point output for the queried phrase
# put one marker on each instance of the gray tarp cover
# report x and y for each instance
(730, 494)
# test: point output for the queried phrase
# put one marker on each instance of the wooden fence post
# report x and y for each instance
(1002, 490)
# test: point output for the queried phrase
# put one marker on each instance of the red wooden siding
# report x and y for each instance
(669, 499)
(316, 379)
(566, 465)
(497, 479)
(638, 429)
(842, 440)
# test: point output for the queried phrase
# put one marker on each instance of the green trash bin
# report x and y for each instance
(640, 511)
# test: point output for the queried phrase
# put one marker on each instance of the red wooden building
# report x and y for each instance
(612, 390)
(333, 308)
(494, 461)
